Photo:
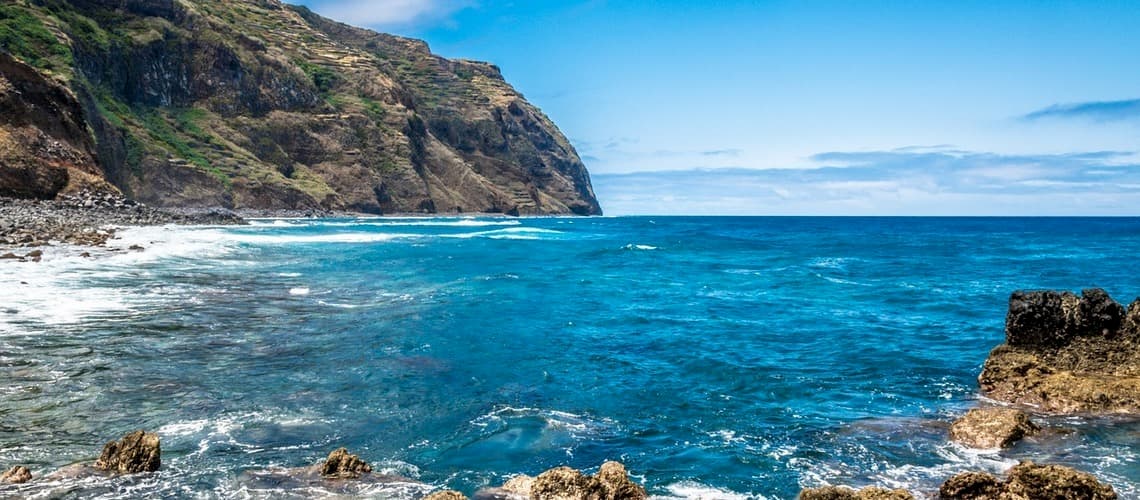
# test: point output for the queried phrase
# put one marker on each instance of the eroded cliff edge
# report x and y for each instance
(263, 105)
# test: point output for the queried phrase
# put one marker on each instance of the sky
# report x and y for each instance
(817, 108)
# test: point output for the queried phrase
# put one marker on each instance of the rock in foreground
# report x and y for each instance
(1067, 354)
(842, 493)
(136, 452)
(563, 483)
(988, 428)
(343, 465)
(16, 475)
(1027, 481)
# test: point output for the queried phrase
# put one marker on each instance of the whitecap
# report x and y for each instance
(632, 246)
(692, 490)
(299, 291)
(513, 233)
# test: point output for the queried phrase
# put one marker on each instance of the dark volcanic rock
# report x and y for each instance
(16, 475)
(136, 452)
(1027, 481)
(342, 465)
(842, 493)
(1067, 354)
(992, 427)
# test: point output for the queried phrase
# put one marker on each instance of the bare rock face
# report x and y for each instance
(1067, 354)
(136, 452)
(1027, 481)
(992, 428)
(16, 475)
(446, 495)
(843, 493)
(342, 465)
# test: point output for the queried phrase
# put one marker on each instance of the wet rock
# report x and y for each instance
(844, 493)
(1067, 354)
(992, 427)
(519, 485)
(342, 465)
(446, 495)
(16, 475)
(1027, 481)
(618, 486)
(564, 483)
(970, 486)
(136, 452)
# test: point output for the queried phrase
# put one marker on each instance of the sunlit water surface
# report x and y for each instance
(716, 357)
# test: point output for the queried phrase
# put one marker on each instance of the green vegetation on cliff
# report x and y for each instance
(258, 104)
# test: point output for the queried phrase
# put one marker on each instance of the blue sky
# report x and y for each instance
(754, 107)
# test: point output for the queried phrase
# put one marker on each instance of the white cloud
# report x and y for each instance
(388, 13)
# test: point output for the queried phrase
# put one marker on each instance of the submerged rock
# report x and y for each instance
(136, 452)
(844, 493)
(342, 465)
(1067, 354)
(16, 475)
(1027, 481)
(992, 427)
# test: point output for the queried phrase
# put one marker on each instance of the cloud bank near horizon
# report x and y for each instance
(906, 181)
(1097, 111)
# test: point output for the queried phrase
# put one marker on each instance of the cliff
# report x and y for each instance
(258, 104)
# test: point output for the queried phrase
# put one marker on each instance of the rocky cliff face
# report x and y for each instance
(258, 104)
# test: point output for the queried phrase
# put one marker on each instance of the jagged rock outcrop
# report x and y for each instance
(343, 465)
(1067, 354)
(987, 428)
(1027, 481)
(136, 452)
(16, 475)
(262, 105)
(843, 493)
(564, 483)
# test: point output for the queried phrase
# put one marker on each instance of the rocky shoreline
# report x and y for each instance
(90, 219)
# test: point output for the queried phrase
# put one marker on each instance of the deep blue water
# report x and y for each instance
(715, 357)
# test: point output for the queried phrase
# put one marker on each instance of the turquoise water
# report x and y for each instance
(716, 357)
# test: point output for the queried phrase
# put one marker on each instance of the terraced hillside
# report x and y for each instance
(258, 104)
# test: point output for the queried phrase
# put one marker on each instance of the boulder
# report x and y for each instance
(1027, 481)
(844, 493)
(971, 486)
(1067, 354)
(446, 495)
(519, 485)
(992, 428)
(342, 465)
(16, 475)
(136, 452)
(617, 483)
(564, 483)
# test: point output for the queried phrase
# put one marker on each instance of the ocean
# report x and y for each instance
(719, 358)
